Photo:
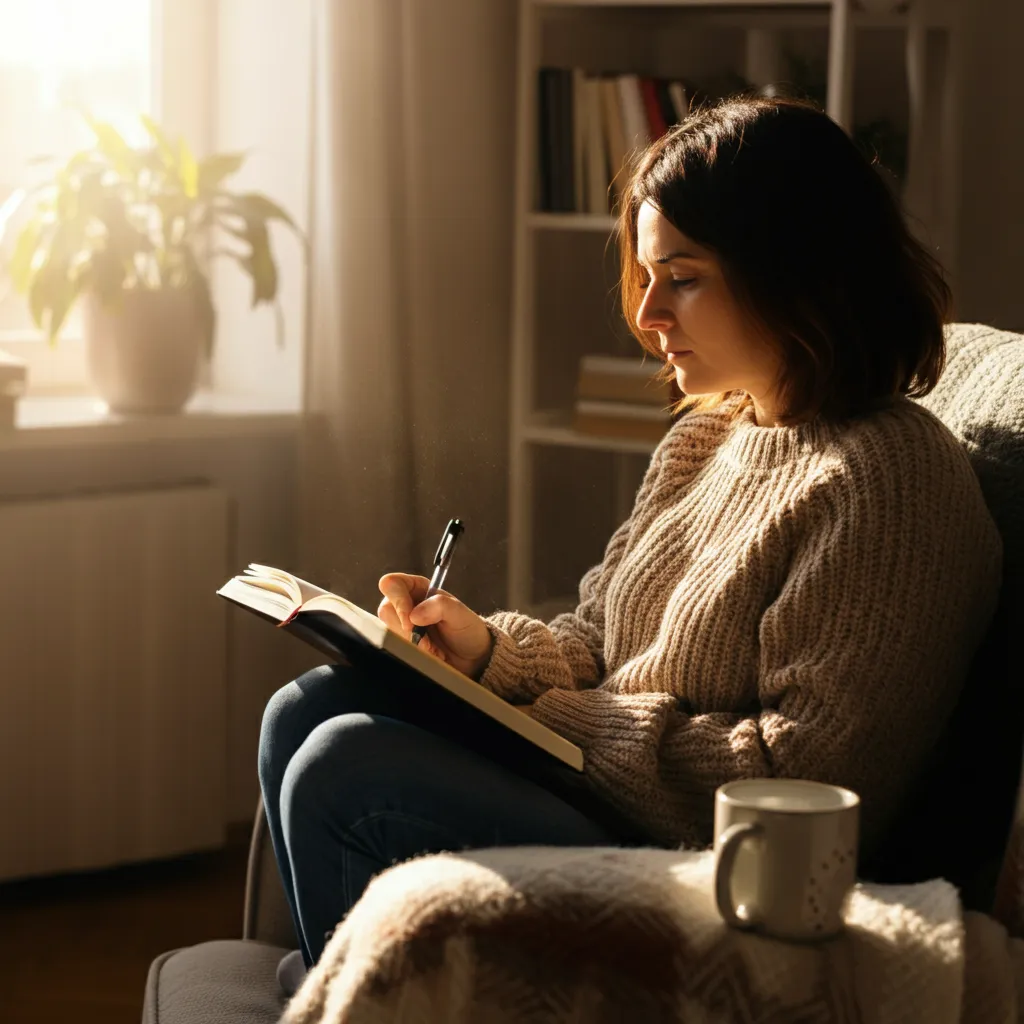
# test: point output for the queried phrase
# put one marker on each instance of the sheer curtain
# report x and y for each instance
(406, 368)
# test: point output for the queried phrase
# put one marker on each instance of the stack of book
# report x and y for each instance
(621, 398)
(589, 126)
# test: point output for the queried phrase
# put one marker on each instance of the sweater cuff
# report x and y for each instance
(590, 718)
(503, 674)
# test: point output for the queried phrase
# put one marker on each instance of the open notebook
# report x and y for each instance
(344, 631)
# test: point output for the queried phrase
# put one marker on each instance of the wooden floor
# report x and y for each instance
(76, 949)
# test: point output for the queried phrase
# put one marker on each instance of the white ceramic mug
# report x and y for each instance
(785, 856)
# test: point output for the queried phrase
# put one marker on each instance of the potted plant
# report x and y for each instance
(129, 232)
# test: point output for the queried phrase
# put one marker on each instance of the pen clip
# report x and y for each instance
(452, 530)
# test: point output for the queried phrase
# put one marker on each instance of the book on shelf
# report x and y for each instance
(580, 120)
(665, 104)
(634, 113)
(613, 136)
(630, 421)
(545, 139)
(680, 100)
(598, 153)
(624, 379)
(556, 140)
(440, 697)
(588, 128)
(652, 108)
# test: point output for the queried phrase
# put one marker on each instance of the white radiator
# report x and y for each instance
(112, 678)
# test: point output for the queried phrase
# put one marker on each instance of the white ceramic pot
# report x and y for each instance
(144, 350)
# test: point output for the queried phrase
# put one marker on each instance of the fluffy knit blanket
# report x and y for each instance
(597, 935)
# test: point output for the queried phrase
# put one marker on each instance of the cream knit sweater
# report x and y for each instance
(789, 601)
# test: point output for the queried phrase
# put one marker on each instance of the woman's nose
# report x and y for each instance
(653, 314)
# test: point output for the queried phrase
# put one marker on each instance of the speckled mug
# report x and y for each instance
(785, 856)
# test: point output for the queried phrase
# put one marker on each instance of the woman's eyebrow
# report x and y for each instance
(680, 254)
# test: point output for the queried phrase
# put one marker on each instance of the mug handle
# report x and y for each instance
(732, 837)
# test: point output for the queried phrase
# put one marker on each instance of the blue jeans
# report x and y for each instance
(349, 789)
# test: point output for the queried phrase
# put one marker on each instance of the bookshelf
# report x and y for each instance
(867, 60)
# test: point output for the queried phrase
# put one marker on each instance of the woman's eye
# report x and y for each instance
(677, 282)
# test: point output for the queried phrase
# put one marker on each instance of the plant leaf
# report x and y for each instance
(83, 158)
(163, 145)
(111, 144)
(98, 226)
(91, 196)
(241, 232)
(214, 169)
(256, 206)
(65, 291)
(123, 239)
(53, 285)
(38, 297)
(20, 265)
(260, 264)
(10, 207)
(188, 170)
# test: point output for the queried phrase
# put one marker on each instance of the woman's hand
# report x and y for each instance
(456, 635)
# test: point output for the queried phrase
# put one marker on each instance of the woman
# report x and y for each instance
(807, 569)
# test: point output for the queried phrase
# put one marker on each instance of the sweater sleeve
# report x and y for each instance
(862, 655)
(529, 656)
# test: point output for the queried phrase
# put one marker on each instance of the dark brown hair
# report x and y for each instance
(812, 245)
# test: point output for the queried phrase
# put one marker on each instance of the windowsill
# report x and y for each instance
(42, 420)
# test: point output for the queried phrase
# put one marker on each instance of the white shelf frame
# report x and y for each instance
(931, 195)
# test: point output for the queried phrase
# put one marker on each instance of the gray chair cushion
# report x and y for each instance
(980, 397)
(956, 823)
(223, 982)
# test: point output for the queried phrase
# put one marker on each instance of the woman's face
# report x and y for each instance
(707, 338)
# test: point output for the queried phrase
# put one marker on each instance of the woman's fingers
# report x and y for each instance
(428, 612)
(387, 614)
(441, 607)
(405, 584)
(403, 592)
(427, 645)
(459, 636)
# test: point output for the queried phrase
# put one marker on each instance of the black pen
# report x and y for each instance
(442, 562)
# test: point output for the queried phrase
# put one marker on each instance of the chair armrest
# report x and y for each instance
(267, 917)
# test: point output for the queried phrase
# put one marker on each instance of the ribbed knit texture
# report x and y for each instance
(782, 601)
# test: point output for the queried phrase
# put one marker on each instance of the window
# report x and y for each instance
(117, 59)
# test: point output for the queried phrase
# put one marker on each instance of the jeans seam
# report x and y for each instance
(409, 819)
(405, 818)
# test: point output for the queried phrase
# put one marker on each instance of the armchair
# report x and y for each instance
(964, 825)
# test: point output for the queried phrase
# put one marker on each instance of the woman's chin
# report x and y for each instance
(690, 383)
